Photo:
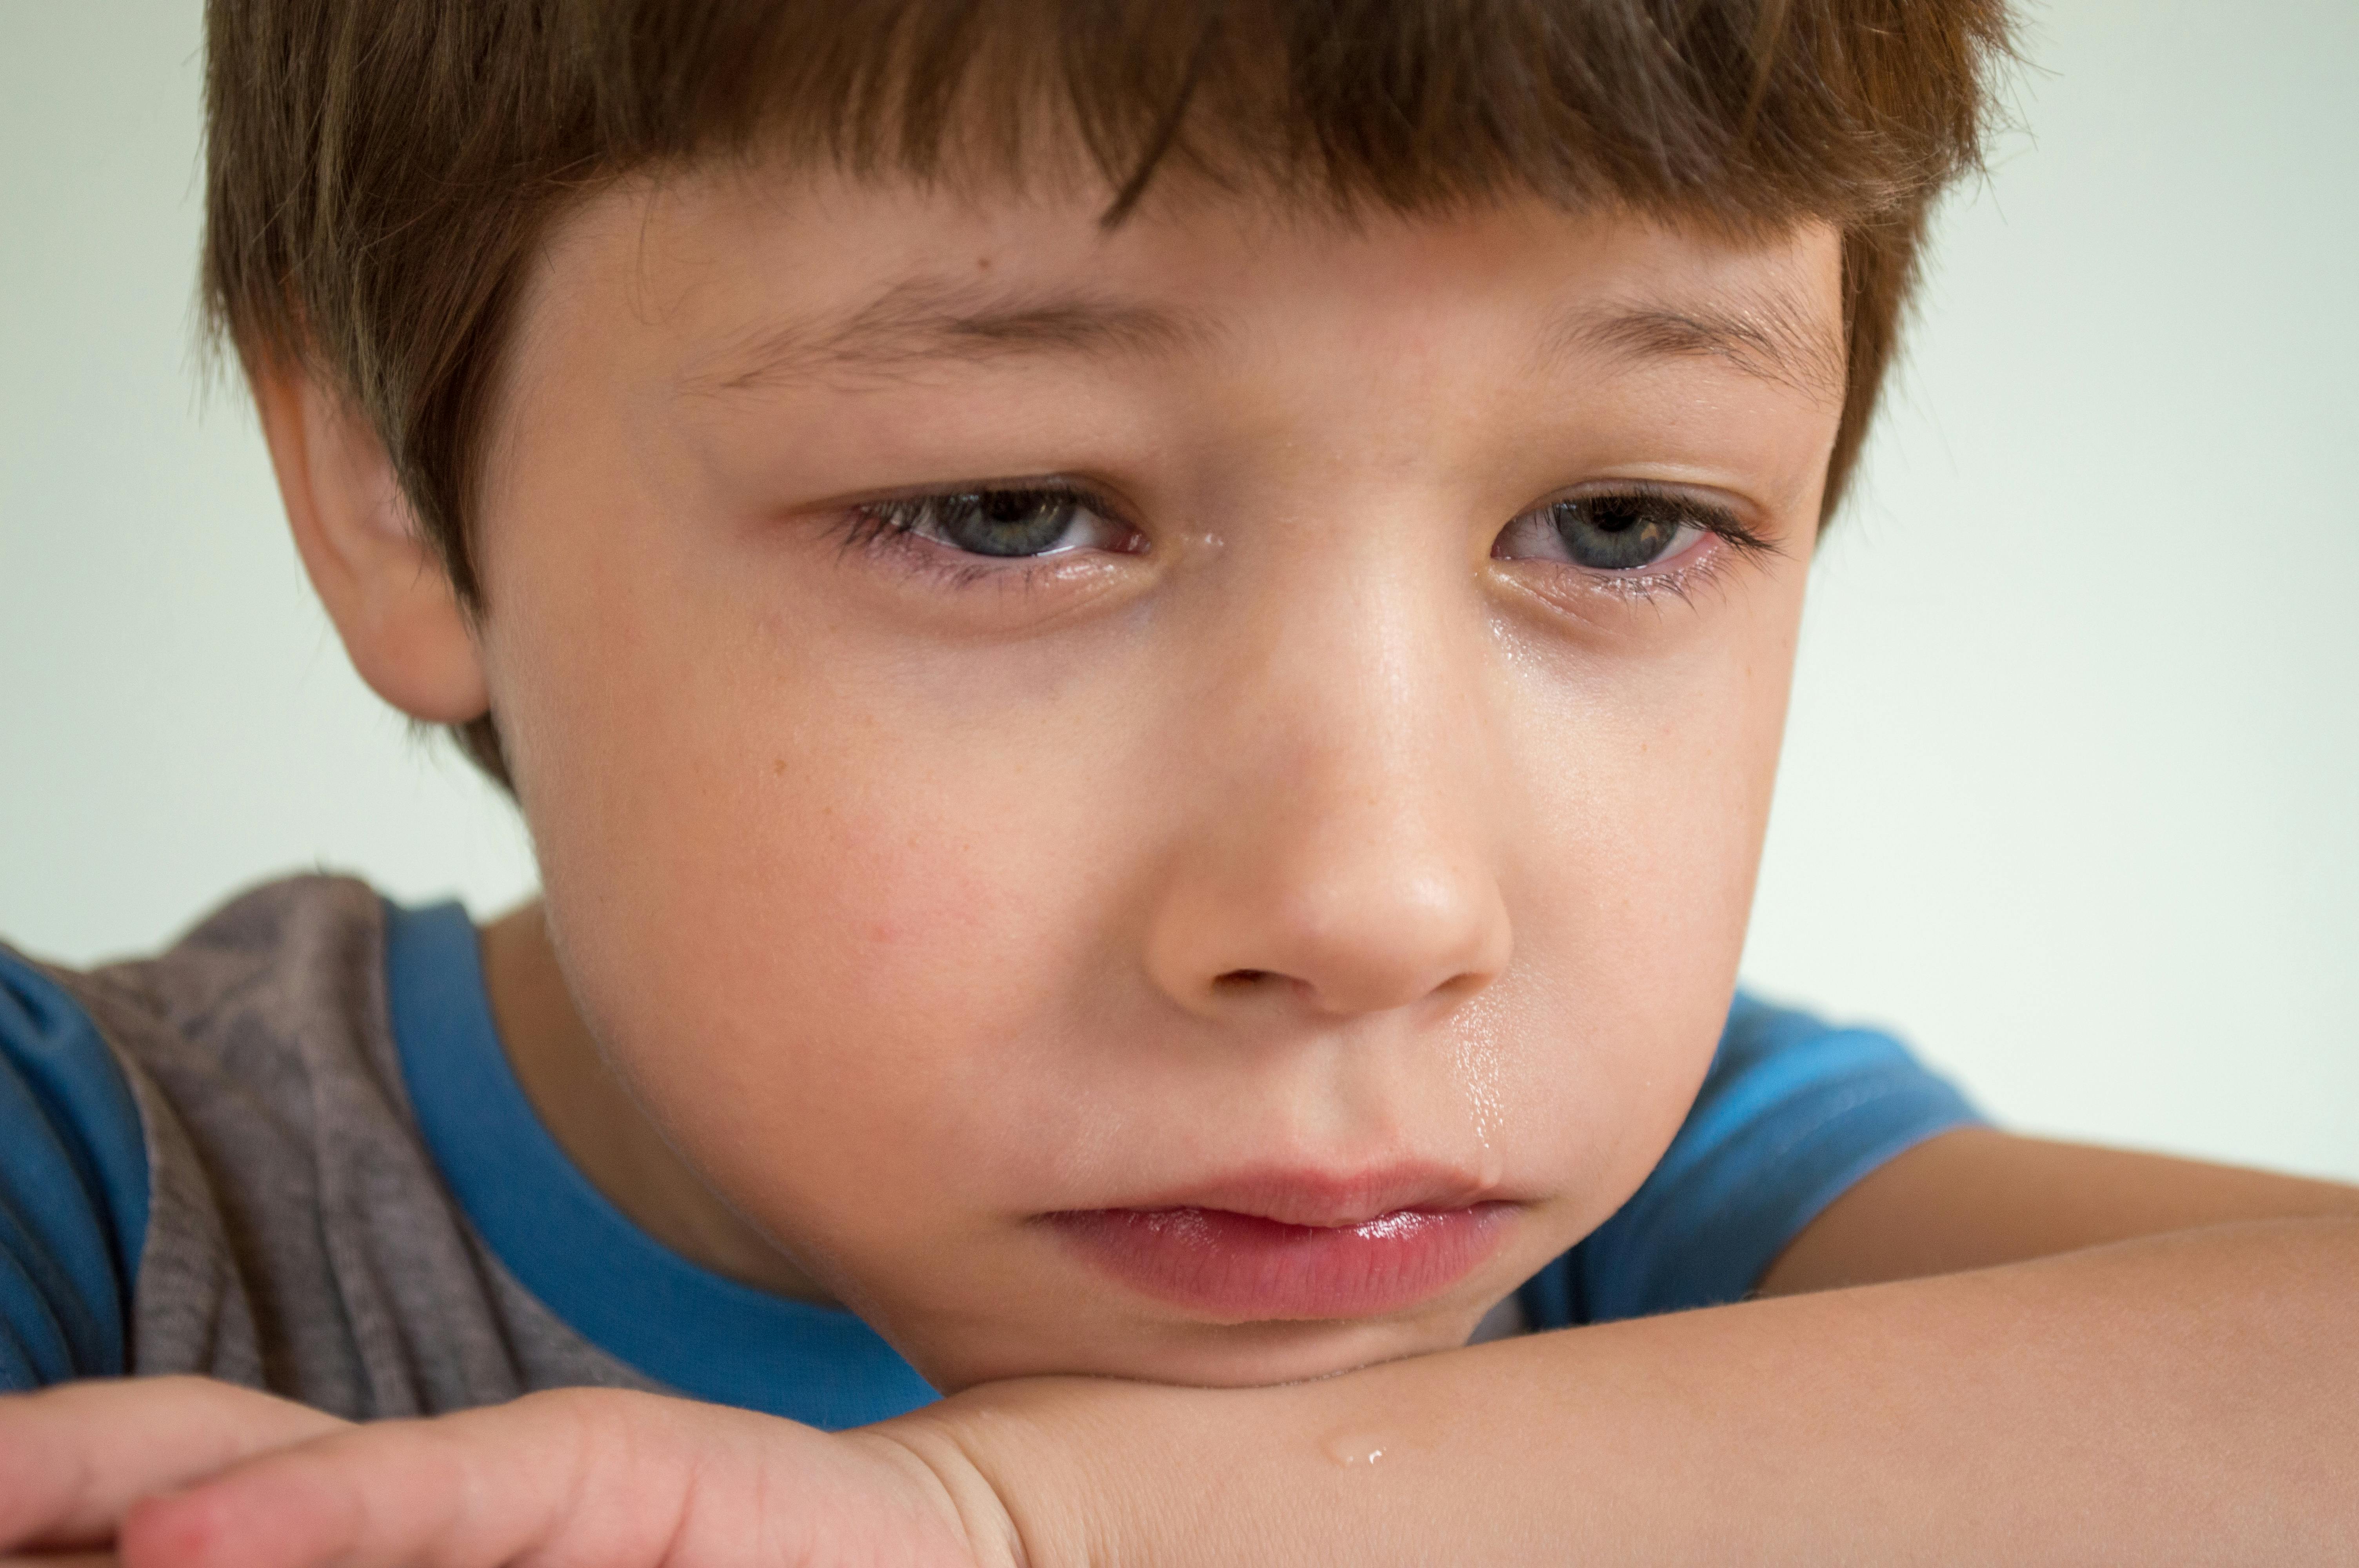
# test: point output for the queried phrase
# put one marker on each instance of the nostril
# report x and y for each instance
(1236, 977)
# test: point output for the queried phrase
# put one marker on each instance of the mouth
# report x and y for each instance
(1281, 1245)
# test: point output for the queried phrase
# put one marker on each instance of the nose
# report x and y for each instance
(1340, 856)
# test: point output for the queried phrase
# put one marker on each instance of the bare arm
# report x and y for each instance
(1976, 1197)
(2194, 1396)
(2190, 1394)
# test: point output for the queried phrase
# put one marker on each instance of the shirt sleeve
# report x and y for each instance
(73, 1188)
(1792, 1113)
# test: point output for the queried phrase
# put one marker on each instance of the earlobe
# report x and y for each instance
(381, 579)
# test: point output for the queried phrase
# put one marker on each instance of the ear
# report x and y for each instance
(382, 580)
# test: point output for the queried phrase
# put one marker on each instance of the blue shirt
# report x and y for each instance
(1792, 1112)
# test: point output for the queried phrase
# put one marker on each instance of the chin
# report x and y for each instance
(1214, 1356)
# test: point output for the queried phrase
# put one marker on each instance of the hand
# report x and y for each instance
(74, 1459)
(580, 1476)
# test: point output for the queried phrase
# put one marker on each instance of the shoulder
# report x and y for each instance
(269, 1008)
(267, 967)
(73, 1185)
(268, 1011)
(1793, 1112)
(299, 1234)
(138, 1097)
(1783, 1074)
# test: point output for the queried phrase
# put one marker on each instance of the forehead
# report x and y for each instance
(744, 277)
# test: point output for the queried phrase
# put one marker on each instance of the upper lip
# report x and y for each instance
(1327, 1199)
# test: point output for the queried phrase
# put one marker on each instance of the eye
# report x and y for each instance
(1028, 521)
(1615, 532)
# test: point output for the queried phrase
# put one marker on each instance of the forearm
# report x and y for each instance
(2189, 1394)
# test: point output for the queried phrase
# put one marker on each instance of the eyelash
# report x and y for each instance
(893, 526)
(1655, 582)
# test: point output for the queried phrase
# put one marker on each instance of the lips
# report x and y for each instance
(1294, 1245)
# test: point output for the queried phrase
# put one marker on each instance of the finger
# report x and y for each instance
(74, 1457)
(582, 1475)
(483, 1486)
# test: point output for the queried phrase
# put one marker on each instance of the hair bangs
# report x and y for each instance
(1744, 111)
(380, 172)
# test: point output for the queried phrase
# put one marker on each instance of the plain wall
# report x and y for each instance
(2068, 795)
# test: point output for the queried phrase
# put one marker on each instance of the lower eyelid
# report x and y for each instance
(1107, 521)
(921, 554)
(1699, 532)
(1704, 542)
(1678, 576)
(905, 552)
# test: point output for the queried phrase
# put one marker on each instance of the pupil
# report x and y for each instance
(1615, 533)
(1005, 521)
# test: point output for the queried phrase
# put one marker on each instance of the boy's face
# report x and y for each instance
(1306, 763)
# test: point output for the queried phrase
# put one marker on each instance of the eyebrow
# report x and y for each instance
(916, 323)
(1765, 337)
(913, 324)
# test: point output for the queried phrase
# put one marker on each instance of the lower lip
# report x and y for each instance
(1244, 1268)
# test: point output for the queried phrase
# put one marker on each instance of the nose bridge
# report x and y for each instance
(1354, 702)
(1348, 843)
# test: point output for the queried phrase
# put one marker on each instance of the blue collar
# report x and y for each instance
(702, 1332)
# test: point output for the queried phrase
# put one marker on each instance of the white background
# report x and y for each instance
(2069, 794)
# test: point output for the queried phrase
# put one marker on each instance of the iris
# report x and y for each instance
(1619, 533)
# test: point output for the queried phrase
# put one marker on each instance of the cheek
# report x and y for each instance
(837, 929)
(806, 921)
(1644, 802)
(840, 952)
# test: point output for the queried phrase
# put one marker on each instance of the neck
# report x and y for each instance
(602, 1127)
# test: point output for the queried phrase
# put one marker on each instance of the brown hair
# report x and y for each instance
(378, 171)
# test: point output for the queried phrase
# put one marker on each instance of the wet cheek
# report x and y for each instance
(1603, 1040)
(1631, 883)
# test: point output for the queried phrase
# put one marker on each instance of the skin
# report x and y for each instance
(1302, 830)
(1311, 815)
